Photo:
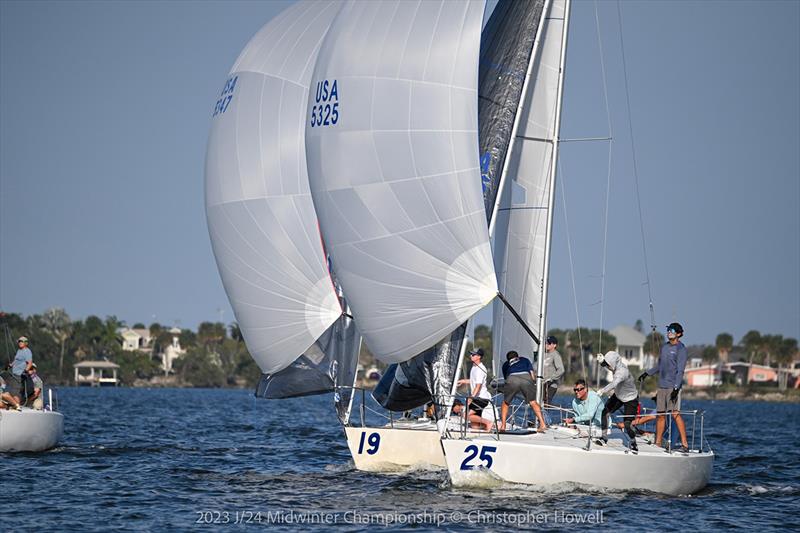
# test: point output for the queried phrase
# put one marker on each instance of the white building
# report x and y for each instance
(136, 339)
(630, 345)
(172, 352)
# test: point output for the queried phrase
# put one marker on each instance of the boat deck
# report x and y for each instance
(568, 437)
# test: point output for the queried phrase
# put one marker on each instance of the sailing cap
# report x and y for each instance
(552, 340)
(478, 352)
(22, 339)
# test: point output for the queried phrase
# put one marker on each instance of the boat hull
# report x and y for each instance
(386, 449)
(546, 460)
(30, 430)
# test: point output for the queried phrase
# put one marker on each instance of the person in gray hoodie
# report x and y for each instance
(624, 395)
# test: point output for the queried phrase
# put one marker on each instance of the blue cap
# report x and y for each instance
(552, 340)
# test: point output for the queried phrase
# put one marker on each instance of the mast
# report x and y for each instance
(552, 191)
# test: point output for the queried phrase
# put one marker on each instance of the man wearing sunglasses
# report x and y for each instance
(671, 364)
(586, 404)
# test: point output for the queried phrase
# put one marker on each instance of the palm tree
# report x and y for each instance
(724, 344)
(784, 356)
(752, 344)
(57, 322)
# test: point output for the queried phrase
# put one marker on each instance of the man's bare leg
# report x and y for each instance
(538, 411)
(681, 427)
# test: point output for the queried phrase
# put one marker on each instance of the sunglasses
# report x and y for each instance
(672, 330)
(578, 390)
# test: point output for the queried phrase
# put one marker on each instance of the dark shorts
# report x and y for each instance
(519, 383)
(476, 405)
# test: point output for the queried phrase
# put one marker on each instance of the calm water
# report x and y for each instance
(147, 459)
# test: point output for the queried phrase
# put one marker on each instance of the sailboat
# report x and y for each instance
(414, 158)
(522, 249)
(30, 429)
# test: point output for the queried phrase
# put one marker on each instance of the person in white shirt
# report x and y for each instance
(479, 396)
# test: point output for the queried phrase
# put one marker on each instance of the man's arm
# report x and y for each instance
(683, 356)
(559, 366)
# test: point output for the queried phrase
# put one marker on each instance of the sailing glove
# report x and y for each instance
(674, 395)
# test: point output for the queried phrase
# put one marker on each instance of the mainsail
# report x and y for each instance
(522, 228)
(261, 217)
(394, 171)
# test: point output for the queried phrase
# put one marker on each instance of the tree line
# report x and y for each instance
(215, 355)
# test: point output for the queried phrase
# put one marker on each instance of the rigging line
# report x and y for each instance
(519, 318)
(608, 175)
(571, 264)
(635, 170)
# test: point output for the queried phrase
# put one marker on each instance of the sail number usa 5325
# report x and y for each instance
(325, 111)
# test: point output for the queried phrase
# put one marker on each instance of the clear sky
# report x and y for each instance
(105, 109)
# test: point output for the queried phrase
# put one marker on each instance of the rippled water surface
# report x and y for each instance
(180, 458)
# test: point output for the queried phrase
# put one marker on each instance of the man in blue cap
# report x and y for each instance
(671, 364)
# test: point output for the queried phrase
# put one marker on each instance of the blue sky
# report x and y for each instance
(105, 109)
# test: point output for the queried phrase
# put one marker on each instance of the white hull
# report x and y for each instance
(30, 430)
(559, 456)
(395, 448)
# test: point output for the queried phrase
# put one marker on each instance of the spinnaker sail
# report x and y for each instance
(261, 218)
(394, 170)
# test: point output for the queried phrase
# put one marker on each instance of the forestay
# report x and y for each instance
(394, 172)
(261, 218)
(521, 226)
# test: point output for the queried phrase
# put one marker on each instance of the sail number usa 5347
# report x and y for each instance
(325, 111)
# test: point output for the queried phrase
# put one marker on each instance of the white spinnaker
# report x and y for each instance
(261, 218)
(395, 173)
(521, 232)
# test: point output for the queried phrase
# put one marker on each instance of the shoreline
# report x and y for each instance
(788, 396)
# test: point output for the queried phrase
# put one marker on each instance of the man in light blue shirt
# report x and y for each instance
(23, 358)
(586, 404)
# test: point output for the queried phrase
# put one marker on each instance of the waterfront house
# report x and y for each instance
(136, 339)
(699, 375)
(631, 346)
(745, 373)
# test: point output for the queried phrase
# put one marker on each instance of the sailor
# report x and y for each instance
(34, 398)
(625, 396)
(479, 396)
(6, 398)
(23, 358)
(671, 364)
(21, 364)
(586, 405)
(520, 378)
(553, 369)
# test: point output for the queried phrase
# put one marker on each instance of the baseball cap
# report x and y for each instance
(479, 352)
(552, 340)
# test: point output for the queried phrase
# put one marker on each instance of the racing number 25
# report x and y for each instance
(472, 452)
